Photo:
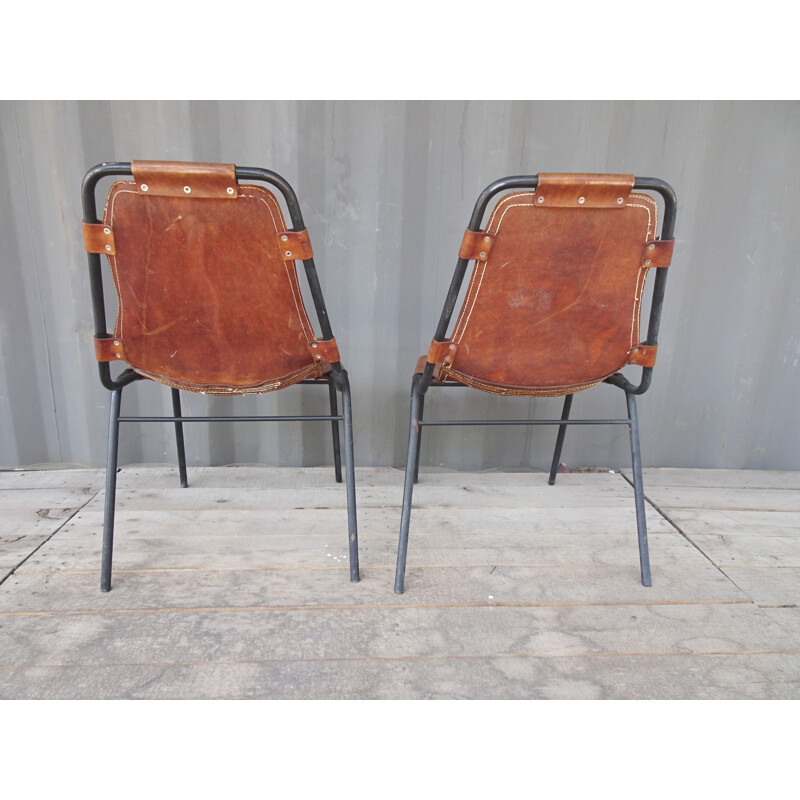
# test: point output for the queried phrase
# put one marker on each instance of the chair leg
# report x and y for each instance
(176, 410)
(638, 489)
(111, 490)
(419, 437)
(405, 518)
(562, 429)
(352, 524)
(337, 454)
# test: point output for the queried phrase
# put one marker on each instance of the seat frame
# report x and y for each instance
(423, 381)
(336, 380)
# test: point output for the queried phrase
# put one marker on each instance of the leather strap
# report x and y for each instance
(99, 239)
(110, 349)
(295, 245)
(476, 245)
(658, 253)
(442, 352)
(583, 190)
(180, 179)
(324, 350)
(643, 355)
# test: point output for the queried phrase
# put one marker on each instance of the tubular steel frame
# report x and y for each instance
(424, 381)
(336, 380)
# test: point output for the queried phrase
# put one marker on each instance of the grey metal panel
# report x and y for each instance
(386, 190)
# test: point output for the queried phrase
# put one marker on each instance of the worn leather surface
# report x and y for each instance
(555, 308)
(183, 179)
(475, 245)
(109, 349)
(583, 189)
(98, 239)
(207, 301)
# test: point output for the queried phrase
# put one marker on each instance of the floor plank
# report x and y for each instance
(238, 586)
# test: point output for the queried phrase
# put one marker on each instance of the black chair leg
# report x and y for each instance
(176, 411)
(419, 437)
(352, 524)
(408, 490)
(337, 453)
(638, 489)
(562, 429)
(111, 490)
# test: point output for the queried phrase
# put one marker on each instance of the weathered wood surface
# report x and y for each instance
(747, 522)
(237, 587)
(34, 505)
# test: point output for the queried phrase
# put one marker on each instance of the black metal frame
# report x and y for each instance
(424, 381)
(336, 380)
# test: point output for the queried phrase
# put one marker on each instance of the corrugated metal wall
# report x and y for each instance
(386, 190)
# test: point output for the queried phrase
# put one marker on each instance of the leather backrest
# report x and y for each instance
(207, 301)
(555, 304)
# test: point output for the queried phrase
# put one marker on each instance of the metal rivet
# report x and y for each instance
(108, 247)
(651, 247)
(107, 231)
(318, 356)
(620, 201)
(581, 200)
(648, 262)
(314, 344)
(483, 255)
(187, 189)
(288, 252)
(284, 238)
(487, 239)
(116, 342)
(143, 187)
(119, 356)
(447, 358)
(452, 347)
(229, 190)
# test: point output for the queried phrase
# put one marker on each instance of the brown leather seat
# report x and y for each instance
(553, 303)
(208, 294)
(552, 306)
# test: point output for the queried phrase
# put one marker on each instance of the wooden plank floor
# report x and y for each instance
(237, 587)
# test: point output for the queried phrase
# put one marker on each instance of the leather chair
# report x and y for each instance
(208, 301)
(552, 307)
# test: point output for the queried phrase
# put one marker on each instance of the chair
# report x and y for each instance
(208, 301)
(552, 308)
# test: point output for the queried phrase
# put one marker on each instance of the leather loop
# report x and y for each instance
(180, 179)
(442, 352)
(476, 245)
(324, 350)
(109, 349)
(99, 239)
(295, 245)
(583, 190)
(643, 355)
(658, 253)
